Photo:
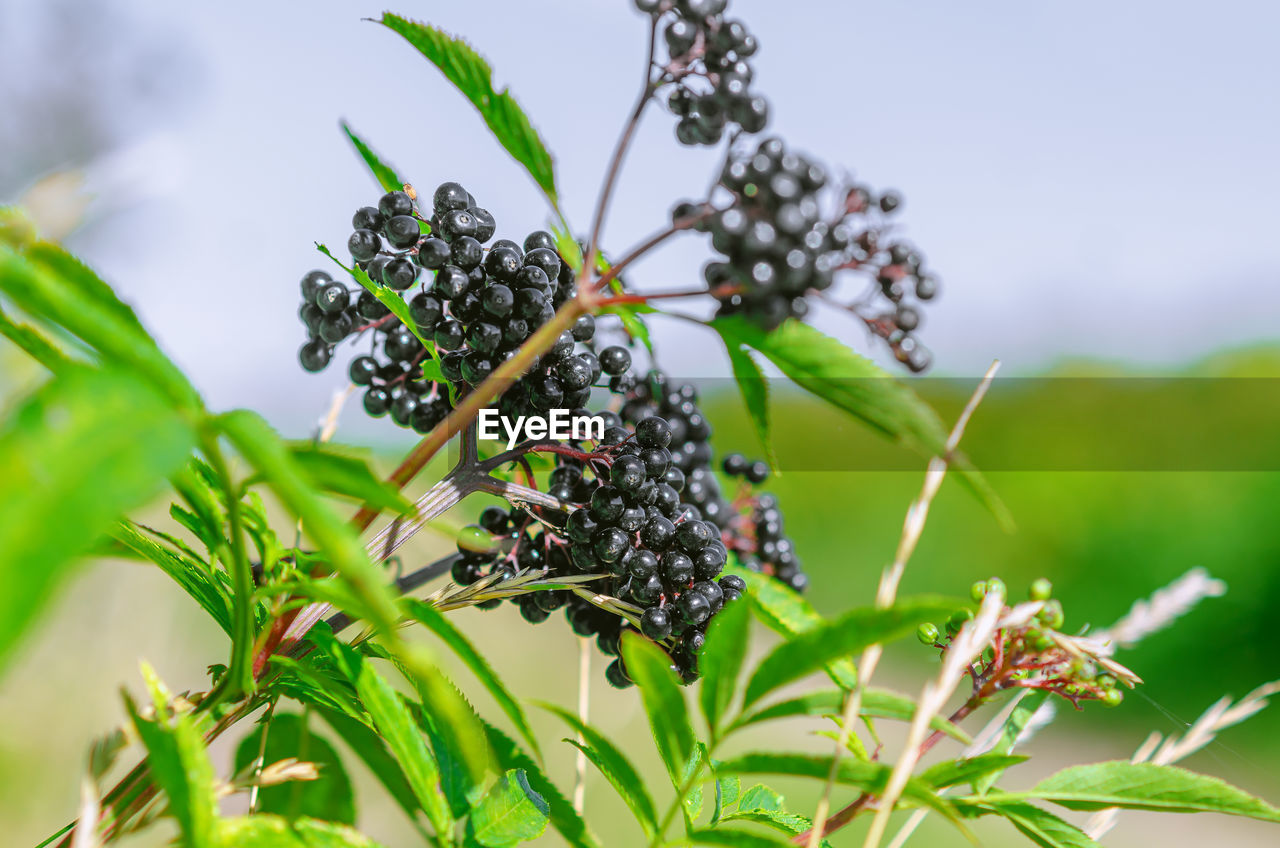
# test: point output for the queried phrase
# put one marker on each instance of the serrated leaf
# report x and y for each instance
(1028, 703)
(396, 726)
(951, 772)
(650, 667)
(736, 837)
(1043, 827)
(754, 389)
(728, 793)
(212, 596)
(392, 299)
(564, 818)
(463, 67)
(267, 831)
(720, 661)
(373, 752)
(264, 450)
(824, 367)
(329, 797)
(382, 172)
(760, 797)
(614, 765)
(179, 764)
(692, 800)
(779, 820)
(784, 611)
(86, 447)
(813, 649)
(868, 776)
(47, 282)
(877, 703)
(33, 343)
(334, 470)
(1143, 786)
(431, 618)
(509, 813)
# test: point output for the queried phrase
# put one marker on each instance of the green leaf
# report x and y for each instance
(509, 813)
(812, 649)
(329, 797)
(50, 283)
(267, 831)
(630, 316)
(951, 772)
(396, 726)
(823, 366)
(335, 470)
(1043, 827)
(650, 667)
(760, 797)
(728, 793)
(564, 818)
(391, 299)
(868, 776)
(721, 661)
(431, 618)
(1028, 703)
(1143, 786)
(784, 611)
(692, 800)
(736, 837)
(212, 595)
(755, 395)
(263, 449)
(877, 703)
(34, 343)
(383, 173)
(373, 752)
(614, 765)
(179, 763)
(86, 447)
(779, 820)
(463, 67)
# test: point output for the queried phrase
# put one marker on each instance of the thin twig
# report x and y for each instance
(912, 527)
(584, 710)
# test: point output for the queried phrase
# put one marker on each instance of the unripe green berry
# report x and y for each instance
(1111, 697)
(928, 634)
(978, 591)
(1105, 681)
(958, 620)
(1041, 590)
(473, 537)
(1052, 615)
(995, 584)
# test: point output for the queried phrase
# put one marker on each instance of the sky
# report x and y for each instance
(1087, 178)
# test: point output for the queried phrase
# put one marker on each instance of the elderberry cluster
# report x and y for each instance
(703, 45)
(648, 513)
(474, 305)
(779, 245)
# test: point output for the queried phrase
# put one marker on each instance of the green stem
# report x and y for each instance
(239, 677)
(681, 792)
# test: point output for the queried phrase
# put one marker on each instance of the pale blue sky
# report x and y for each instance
(1087, 177)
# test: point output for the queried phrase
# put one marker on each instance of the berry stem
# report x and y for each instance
(621, 299)
(620, 150)
(679, 225)
(239, 678)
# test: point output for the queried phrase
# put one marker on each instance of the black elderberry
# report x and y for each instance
(539, 239)
(628, 473)
(658, 533)
(485, 224)
(433, 253)
(364, 245)
(676, 568)
(653, 432)
(395, 203)
(333, 297)
(498, 300)
(616, 674)
(545, 259)
(377, 401)
(609, 544)
(694, 608)
(712, 592)
(311, 316)
(311, 284)
(451, 283)
(367, 218)
(656, 624)
(314, 355)
(647, 590)
(476, 367)
(335, 327)
(607, 504)
(449, 196)
(581, 526)
(757, 472)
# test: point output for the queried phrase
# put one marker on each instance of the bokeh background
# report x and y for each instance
(1094, 182)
